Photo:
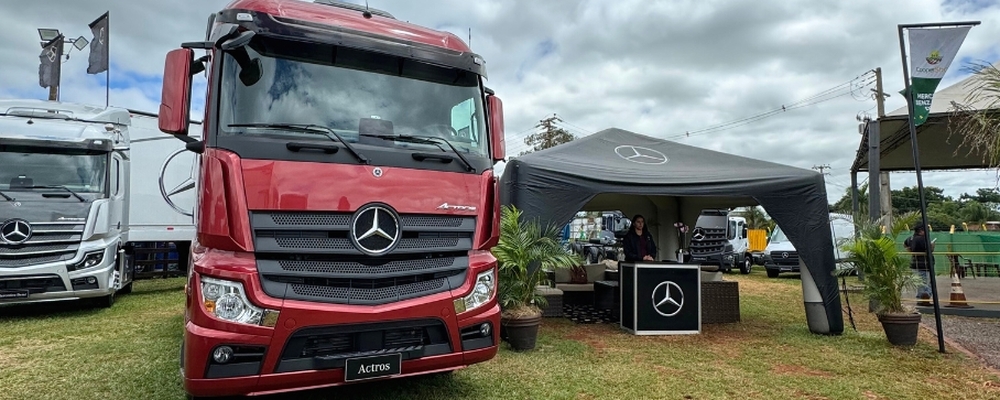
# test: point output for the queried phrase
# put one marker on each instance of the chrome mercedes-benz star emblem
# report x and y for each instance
(15, 231)
(377, 172)
(698, 234)
(784, 254)
(668, 299)
(641, 155)
(375, 229)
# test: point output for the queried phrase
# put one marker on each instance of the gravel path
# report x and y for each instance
(981, 336)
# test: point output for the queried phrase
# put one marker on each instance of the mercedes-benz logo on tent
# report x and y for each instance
(15, 231)
(668, 299)
(641, 155)
(375, 229)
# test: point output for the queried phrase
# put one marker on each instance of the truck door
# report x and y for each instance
(117, 177)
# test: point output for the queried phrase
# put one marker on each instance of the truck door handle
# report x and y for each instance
(326, 148)
(443, 157)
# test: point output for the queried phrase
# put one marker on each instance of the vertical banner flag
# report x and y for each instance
(931, 53)
(50, 64)
(99, 46)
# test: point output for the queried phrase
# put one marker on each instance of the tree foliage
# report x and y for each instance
(976, 120)
(943, 212)
(756, 218)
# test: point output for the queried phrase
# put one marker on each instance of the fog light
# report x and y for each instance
(484, 329)
(91, 280)
(222, 354)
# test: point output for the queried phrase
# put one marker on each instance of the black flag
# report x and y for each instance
(99, 46)
(50, 64)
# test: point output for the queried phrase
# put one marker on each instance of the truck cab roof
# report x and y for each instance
(61, 122)
(333, 13)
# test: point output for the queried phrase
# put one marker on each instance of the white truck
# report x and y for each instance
(781, 256)
(720, 239)
(88, 196)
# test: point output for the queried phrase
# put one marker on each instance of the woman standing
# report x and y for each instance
(638, 243)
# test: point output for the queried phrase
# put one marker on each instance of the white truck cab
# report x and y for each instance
(781, 256)
(721, 239)
(65, 194)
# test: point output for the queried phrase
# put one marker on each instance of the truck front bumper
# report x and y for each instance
(55, 282)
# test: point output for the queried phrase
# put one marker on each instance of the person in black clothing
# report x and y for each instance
(638, 242)
(918, 244)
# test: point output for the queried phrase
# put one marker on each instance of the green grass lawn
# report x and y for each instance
(131, 350)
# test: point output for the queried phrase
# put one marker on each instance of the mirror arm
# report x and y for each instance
(198, 45)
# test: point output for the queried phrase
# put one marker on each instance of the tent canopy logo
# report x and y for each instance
(934, 58)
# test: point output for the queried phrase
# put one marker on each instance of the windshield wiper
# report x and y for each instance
(57, 187)
(421, 139)
(329, 133)
(6, 197)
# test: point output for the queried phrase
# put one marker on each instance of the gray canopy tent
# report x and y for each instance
(668, 182)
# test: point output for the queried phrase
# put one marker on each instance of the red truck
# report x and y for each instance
(346, 199)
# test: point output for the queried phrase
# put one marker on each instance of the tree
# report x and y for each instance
(907, 199)
(977, 118)
(844, 205)
(987, 197)
(549, 136)
(756, 218)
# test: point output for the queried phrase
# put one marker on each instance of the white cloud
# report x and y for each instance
(657, 68)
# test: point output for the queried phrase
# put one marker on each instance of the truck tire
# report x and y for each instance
(747, 265)
(773, 273)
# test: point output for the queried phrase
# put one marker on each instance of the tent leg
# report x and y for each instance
(816, 316)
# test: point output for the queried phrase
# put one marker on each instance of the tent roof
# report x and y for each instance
(617, 156)
(553, 184)
(939, 149)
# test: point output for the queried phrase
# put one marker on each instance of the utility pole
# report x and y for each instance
(822, 168)
(885, 191)
(549, 126)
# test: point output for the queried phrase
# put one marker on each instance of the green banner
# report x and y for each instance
(931, 52)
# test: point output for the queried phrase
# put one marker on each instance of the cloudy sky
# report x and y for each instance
(660, 68)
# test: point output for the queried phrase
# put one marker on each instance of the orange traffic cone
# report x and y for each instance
(957, 295)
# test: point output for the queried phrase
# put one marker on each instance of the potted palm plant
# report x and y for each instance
(524, 251)
(885, 274)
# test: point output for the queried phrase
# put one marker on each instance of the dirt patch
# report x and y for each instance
(871, 395)
(798, 370)
(588, 336)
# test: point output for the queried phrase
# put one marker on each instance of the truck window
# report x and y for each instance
(778, 235)
(732, 230)
(341, 88)
(115, 176)
(80, 171)
(463, 120)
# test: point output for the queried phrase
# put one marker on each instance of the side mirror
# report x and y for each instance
(497, 144)
(175, 100)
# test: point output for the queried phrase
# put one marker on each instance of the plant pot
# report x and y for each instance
(521, 332)
(901, 329)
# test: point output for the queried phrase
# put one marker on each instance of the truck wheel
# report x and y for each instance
(772, 273)
(126, 289)
(106, 301)
(746, 265)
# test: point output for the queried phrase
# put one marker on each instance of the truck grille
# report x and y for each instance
(713, 241)
(310, 257)
(33, 284)
(330, 347)
(785, 257)
(49, 242)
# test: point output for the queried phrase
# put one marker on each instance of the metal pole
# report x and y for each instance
(107, 73)
(920, 186)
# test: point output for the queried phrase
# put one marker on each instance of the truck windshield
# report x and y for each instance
(79, 172)
(354, 93)
(778, 235)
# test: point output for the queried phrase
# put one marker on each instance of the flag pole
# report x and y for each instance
(107, 73)
(916, 167)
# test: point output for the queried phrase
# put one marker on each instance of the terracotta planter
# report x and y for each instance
(521, 332)
(901, 329)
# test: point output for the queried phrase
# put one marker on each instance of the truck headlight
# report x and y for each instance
(482, 291)
(89, 260)
(227, 301)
